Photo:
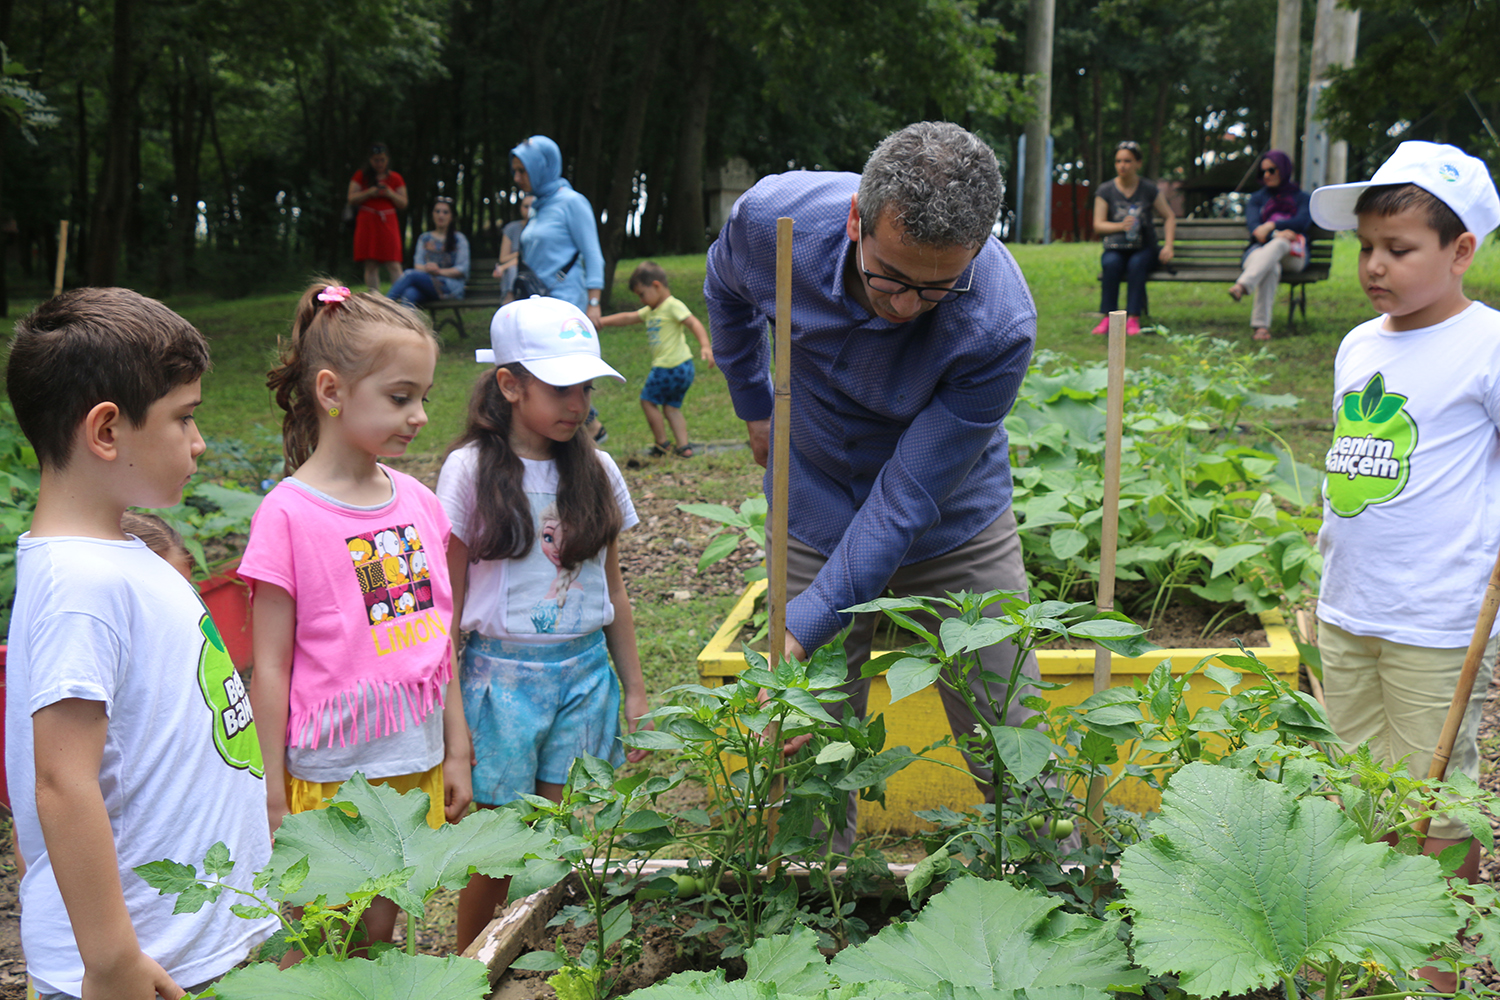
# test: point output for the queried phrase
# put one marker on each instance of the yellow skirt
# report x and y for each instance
(302, 796)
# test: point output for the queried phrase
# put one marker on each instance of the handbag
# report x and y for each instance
(529, 283)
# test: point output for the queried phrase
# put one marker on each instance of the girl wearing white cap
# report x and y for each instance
(537, 510)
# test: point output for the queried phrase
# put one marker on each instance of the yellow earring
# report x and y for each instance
(333, 411)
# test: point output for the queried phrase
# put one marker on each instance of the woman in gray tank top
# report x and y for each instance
(1123, 216)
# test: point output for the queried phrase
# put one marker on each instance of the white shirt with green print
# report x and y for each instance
(1411, 499)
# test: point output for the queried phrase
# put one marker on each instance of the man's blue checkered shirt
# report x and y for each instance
(898, 453)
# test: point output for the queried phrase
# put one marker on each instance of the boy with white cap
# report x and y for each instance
(1411, 518)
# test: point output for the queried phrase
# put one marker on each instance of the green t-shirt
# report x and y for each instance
(666, 331)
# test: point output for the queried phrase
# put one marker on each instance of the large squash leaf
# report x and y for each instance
(791, 961)
(390, 833)
(1244, 882)
(393, 976)
(997, 940)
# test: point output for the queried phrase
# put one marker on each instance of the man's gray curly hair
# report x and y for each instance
(938, 180)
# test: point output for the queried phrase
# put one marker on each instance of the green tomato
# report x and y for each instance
(1037, 821)
(1061, 828)
(687, 886)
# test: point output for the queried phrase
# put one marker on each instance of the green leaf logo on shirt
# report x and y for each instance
(1373, 442)
(224, 690)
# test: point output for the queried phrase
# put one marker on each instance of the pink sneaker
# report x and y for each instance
(1102, 328)
(1132, 326)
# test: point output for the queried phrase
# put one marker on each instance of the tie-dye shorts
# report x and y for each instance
(534, 707)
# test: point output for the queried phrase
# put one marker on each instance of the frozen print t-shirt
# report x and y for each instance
(531, 599)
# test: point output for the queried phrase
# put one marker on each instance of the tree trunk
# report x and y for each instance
(1159, 124)
(685, 220)
(112, 201)
(1099, 142)
(591, 126)
(622, 184)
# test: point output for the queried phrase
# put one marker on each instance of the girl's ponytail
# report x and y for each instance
(328, 333)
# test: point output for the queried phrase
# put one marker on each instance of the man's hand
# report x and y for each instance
(760, 443)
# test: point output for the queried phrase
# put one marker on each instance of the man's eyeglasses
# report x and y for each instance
(886, 285)
(1269, 170)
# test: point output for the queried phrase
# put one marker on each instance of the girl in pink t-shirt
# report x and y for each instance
(349, 576)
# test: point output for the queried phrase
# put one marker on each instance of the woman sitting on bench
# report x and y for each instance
(442, 260)
(1278, 218)
(1122, 215)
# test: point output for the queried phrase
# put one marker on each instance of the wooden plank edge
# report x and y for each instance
(503, 940)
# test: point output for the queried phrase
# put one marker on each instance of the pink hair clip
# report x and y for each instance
(334, 293)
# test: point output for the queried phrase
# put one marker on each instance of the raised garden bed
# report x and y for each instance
(920, 719)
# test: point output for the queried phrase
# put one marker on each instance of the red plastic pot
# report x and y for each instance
(228, 600)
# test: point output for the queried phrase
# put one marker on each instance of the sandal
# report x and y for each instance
(660, 449)
(1262, 334)
(1236, 291)
(686, 451)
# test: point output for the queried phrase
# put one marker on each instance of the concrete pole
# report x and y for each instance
(1335, 36)
(1039, 23)
(1284, 83)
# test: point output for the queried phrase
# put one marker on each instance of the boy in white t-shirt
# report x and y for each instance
(128, 731)
(1411, 510)
(672, 371)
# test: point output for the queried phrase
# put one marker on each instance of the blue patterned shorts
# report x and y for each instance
(668, 386)
(534, 707)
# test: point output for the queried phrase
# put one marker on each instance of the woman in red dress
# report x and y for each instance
(377, 193)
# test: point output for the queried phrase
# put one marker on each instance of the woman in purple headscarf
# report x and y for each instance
(1278, 218)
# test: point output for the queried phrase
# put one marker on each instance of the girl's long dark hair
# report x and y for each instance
(450, 238)
(585, 496)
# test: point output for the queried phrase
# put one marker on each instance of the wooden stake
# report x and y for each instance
(781, 442)
(1114, 425)
(62, 256)
(1465, 687)
(781, 449)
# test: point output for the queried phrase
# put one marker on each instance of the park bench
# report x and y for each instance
(1210, 250)
(481, 291)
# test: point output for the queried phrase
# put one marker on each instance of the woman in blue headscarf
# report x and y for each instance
(1278, 217)
(561, 240)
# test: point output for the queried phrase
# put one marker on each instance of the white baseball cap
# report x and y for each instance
(1450, 175)
(554, 340)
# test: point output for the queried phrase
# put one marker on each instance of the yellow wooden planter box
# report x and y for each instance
(919, 719)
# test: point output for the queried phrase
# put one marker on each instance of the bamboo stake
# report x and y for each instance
(1114, 424)
(781, 447)
(62, 256)
(1465, 687)
(1304, 628)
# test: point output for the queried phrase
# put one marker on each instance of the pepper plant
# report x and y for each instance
(767, 809)
(604, 822)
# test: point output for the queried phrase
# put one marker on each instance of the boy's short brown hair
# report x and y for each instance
(90, 346)
(1392, 199)
(645, 273)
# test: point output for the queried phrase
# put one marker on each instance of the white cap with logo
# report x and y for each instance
(554, 340)
(1450, 175)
